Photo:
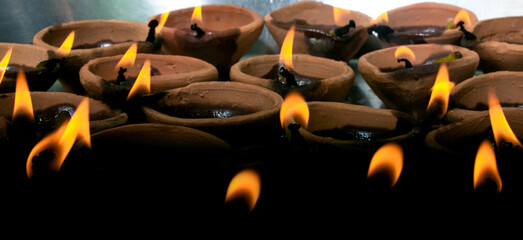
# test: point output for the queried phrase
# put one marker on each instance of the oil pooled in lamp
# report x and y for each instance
(108, 80)
(470, 97)
(500, 44)
(316, 78)
(423, 23)
(236, 112)
(321, 30)
(220, 35)
(92, 39)
(29, 59)
(408, 89)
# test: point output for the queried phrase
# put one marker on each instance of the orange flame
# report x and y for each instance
(388, 157)
(339, 14)
(405, 52)
(381, 19)
(142, 85)
(67, 45)
(500, 127)
(197, 14)
(4, 62)
(286, 49)
(23, 104)
(245, 184)
(161, 22)
(485, 166)
(441, 90)
(463, 15)
(296, 106)
(128, 58)
(62, 140)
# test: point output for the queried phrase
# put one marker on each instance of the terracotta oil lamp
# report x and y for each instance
(334, 125)
(91, 39)
(470, 97)
(51, 108)
(425, 22)
(405, 85)
(219, 34)
(31, 60)
(319, 31)
(99, 77)
(316, 78)
(500, 44)
(235, 112)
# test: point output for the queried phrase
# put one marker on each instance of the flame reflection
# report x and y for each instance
(388, 158)
(485, 166)
(246, 185)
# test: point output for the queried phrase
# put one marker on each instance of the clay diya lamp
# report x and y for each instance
(29, 59)
(317, 78)
(91, 39)
(321, 30)
(425, 22)
(500, 44)
(404, 84)
(101, 78)
(218, 34)
(470, 97)
(235, 112)
(334, 125)
(50, 109)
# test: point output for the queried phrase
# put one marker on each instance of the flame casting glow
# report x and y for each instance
(388, 157)
(286, 49)
(500, 127)
(441, 90)
(197, 14)
(4, 63)
(463, 15)
(381, 19)
(245, 184)
(296, 106)
(67, 45)
(62, 140)
(23, 104)
(161, 22)
(339, 14)
(405, 52)
(485, 166)
(128, 58)
(142, 85)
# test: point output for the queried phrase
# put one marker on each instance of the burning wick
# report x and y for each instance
(341, 31)
(286, 77)
(152, 30)
(295, 137)
(121, 77)
(198, 30)
(407, 62)
(468, 35)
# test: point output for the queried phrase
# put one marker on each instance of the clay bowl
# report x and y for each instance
(334, 125)
(425, 23)
(230, 31)
(470, 97)
(235, 112)
(409, 90)
(98, 76)
(49, 107)
(464, 137)
(313, 21)
(93, 39)
(26, 57)
(324, 79)
(501, 44)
